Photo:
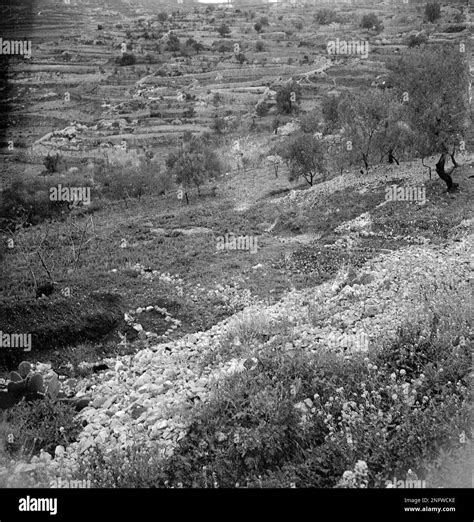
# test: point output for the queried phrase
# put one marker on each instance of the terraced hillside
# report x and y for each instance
(73, 88)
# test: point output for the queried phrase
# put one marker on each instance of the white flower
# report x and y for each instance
(348, 479)
(361, 467)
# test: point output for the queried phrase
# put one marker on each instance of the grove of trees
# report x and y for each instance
(425, 112)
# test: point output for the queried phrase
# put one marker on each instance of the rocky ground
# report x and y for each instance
(150, 397)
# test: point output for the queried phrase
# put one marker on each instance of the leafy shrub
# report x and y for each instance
(51, 163)
(241, 58)
(262, 109)
(371, 21)
(126, 59)
(326, 16)
(416, 40)
(259, 46)
(224, 30)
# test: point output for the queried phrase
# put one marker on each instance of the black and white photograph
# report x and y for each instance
(236, 258)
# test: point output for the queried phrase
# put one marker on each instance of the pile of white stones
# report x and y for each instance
(131, 316)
